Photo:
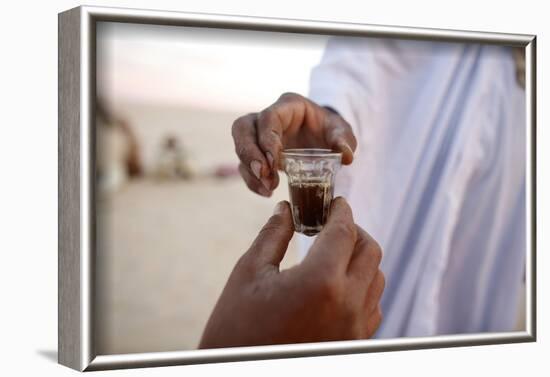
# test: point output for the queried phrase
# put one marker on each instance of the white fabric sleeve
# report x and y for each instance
(338, 81)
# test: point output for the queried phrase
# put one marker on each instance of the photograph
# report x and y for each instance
(243, 188)
(261, 188)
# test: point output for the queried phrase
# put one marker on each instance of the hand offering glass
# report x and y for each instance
(310, 175)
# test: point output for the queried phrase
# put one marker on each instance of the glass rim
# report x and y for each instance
(311, 152)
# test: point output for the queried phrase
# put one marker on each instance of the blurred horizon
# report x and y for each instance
(209, 69)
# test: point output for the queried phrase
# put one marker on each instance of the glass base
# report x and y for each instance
(308, 230)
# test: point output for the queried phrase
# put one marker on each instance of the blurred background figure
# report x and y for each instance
(118, 157)
(172, 160)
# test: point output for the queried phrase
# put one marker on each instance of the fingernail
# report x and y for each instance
(344, 145)
(266, 183)
(256, 167)
(279, 208)
(270, 159)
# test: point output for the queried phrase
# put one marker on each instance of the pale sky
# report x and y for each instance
(216, 69)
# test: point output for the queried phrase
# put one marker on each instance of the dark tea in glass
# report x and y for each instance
(310, 175)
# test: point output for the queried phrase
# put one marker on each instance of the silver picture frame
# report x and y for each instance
(76, 269)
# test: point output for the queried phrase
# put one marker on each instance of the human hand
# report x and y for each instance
(333, 294)
(292, 121)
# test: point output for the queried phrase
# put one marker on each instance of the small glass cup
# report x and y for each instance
(310, 175)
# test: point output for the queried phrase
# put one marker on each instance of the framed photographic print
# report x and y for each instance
(238, 188)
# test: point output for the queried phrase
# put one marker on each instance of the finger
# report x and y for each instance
(271, 124)
(339, 136)
(248, 151)
(270, 130)
(253, 183)
(375, 291)
(373, 322)
(274, 121)
(282, 120)
(365, 260)
(270, 245)
(335, 243)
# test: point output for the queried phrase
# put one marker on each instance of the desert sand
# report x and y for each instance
(166, 248)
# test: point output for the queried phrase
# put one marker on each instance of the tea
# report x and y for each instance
(310, 203)
(311, 174)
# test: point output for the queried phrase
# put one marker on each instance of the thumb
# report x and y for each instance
(270, 245)
(335, 243)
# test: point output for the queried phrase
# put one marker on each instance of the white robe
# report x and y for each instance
(438, 178)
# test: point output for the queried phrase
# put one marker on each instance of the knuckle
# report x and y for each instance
(242, 123)
(345, 130)
(375, 250)
(290, 96)
(379, 315)
(345, 229)
(242, 150)
(238, 124)
(374, 321)
(267, 140)
(381, 280)
(267, 135)
(266, 117)
(352, 140)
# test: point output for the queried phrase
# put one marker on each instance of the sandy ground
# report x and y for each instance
(165, 249)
